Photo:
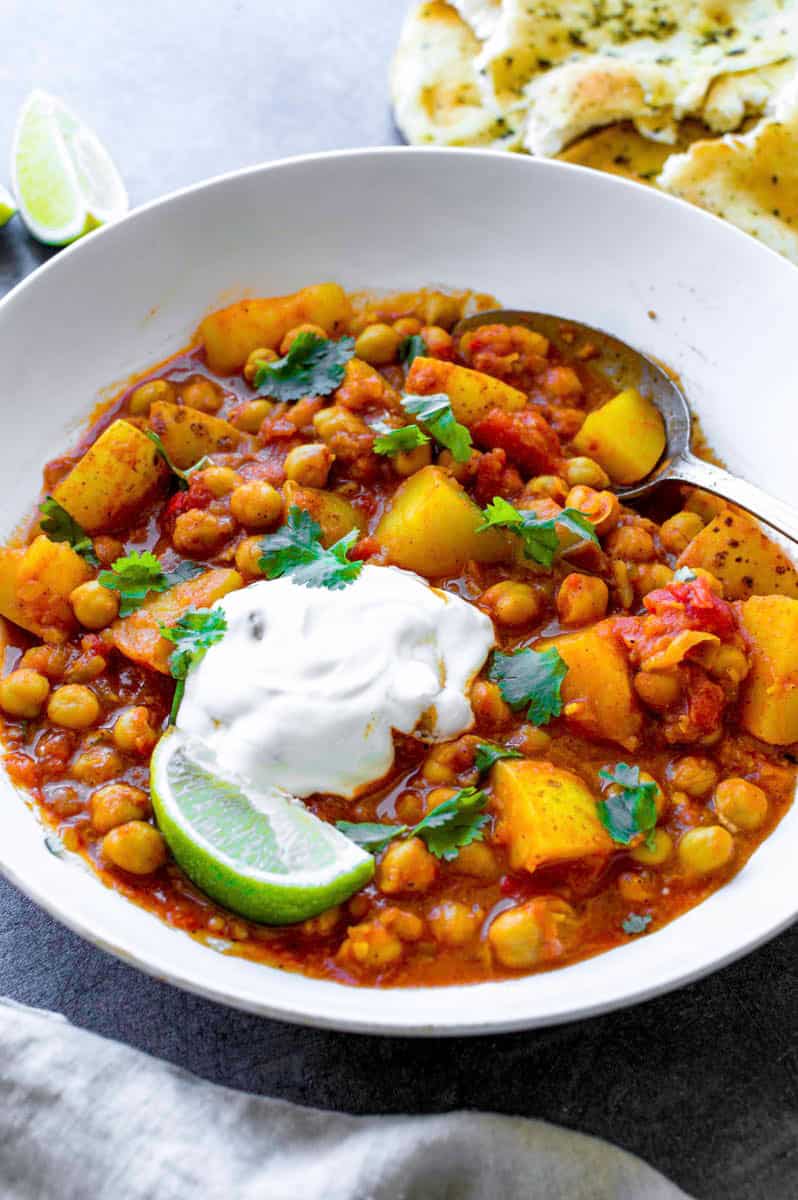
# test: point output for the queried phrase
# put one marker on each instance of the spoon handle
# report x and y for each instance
(780, 516)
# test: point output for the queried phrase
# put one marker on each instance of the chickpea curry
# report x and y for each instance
(612, 721)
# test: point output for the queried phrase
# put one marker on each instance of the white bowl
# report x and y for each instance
(687, 288)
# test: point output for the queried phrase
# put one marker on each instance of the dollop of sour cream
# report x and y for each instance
(307, 685)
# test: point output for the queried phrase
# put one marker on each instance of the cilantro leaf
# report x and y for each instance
(457, 822)
(436, 413)
(539, 535)
(532, 677)
(411, 348)
(135, 575)
(192, 635)
(635, 923)
(630, 811)
(684, 575)
(488, 754)
(409, 437)
(296, 550)
(313, 366)
(183, 477)
(61, 527)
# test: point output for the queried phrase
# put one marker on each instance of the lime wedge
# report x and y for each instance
(7, 206)
(263, 855)
(63, 177)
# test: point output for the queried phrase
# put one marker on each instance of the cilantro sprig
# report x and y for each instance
(538, 535)
(61, 527)
(488, 754)
(183, 477)
(455, 823)
(435, 413)
(137, 574)
(631, 810)
(313, 366)
(684, 575)
(635, 923)
(193, 634)
(398, 441)
(533, 678)
(411, 348)
(296, 550)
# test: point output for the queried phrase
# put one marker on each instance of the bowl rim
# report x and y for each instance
(310, 1012)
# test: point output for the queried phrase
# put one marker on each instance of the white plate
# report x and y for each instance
(709, 301)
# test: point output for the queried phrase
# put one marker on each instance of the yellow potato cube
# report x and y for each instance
(626, 436)
(547, 815)
(232, 333)
(188, 434)
(736, 551)
(431, 527)
(598, 698)
(35, 585)
(334, 513)
(138, 636)
(472, 394)
(769, 703)
(112, 480)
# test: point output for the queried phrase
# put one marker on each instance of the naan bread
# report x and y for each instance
(750, 179)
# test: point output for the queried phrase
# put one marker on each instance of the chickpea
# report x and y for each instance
(406, 925)
(199, 533)
(219, 481)
(202, 394)
(679, 530)
(323, 924)
(439, 795)
(440, 309)
(406, 866)
(740, 804)
(407, 462)
(378, 345)
(658, 689)
(516, 938)
(603, 509)
(133, 731)
(309, 465)
(477, 861)
(256, 359)
(407, 326)
(658, 853)
(706, 849)
(584, 472)
(409, 807)
(23, 693)
(87, 666)
(73, 706)
(329, 422)
(250, 416)
(447, 761)
(550, 486)
(488, 704)
(135, 847)
(371, 945)
(561, 382)
(512, 603)
(532, 740)
(116, 804)
(248, 556)
(453, 923)
(147, 394)
(582, 599)
(256, 504)
(650, 576)
(293, 334)
(726, 662)
(439, 343)
(96, 765)
(693, 775)
(631, 543)
(94, 606)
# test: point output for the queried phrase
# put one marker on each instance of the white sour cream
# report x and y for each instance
(305, 688)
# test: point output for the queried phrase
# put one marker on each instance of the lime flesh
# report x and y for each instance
(261, 854)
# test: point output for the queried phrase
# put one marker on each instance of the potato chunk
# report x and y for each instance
(232, 333)
(769, 705)
(112, 480)
(138, 636)
(472, 393)
(188, 434)
(626, 436)
(35, 584)
(598, 699)
(737, 552)
(547, 815)
(334, 513)
(431, 527)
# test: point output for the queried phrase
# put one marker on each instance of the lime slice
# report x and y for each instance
(263, 855)
(63, 177)
(7, 206)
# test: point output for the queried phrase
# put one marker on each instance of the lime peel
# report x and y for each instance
(7, 206)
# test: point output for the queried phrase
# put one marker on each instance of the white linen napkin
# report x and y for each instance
(84, 1118)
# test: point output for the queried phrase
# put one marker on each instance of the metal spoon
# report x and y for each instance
(626, 367)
